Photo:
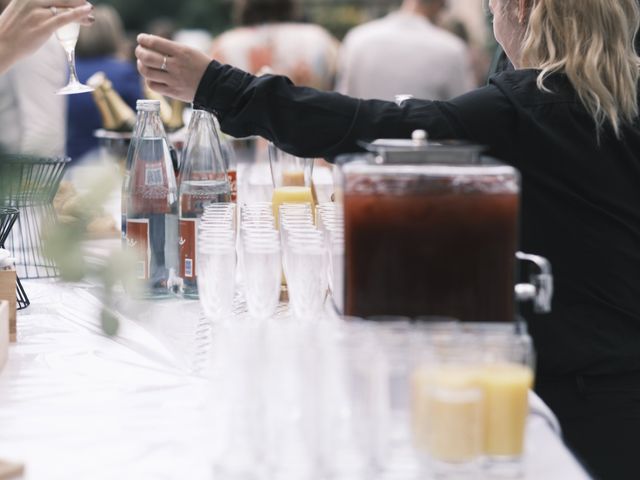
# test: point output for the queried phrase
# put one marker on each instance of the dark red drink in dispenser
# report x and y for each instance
(431, 240)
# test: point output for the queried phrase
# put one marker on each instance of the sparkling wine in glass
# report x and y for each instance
(68, 37)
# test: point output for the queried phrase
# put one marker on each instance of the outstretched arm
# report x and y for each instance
(303, 121)
(27, 24)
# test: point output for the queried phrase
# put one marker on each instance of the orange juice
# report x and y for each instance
(290, 194)
(506, 389)
(448, 413)
(445, 416)
(295, 178)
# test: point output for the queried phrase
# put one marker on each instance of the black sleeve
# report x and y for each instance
(311, 123)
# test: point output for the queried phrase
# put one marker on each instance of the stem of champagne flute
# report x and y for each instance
(71, 60)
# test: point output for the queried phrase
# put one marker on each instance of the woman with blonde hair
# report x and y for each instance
(567, 118)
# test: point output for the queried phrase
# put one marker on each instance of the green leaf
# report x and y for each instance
(110, 323)
(72, 268)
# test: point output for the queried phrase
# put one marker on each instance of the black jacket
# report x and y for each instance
(580, 195)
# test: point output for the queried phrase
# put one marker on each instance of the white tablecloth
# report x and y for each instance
(75, 404)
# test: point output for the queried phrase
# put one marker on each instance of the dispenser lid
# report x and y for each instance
(418, 150)
(409, 166)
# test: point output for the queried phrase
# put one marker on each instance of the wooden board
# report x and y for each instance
(4, 333)
(8, 293)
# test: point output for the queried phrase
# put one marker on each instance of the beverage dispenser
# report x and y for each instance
(432, 230)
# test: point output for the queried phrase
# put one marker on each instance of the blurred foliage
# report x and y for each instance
(211, 15)
(65, 245)
(338, 16)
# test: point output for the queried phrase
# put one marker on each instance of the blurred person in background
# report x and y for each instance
(162, 27)
(405, 53)
(478, 55)
(195, 38)
(99, 49)
(473, 16)
(32, 116)
(270, 38)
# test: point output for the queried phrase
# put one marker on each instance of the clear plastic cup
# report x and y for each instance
(306, 278)
(216, 279)
(262, 273)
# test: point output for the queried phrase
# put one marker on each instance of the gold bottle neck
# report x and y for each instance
(116, 114)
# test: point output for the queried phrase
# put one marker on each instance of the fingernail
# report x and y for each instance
(91, 18)
(142, 37)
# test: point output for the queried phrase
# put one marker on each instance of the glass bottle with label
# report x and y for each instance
(203, 181)
(127, 168)
(152, 205)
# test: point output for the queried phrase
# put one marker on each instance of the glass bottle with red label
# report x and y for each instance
(152, 206)
(203, 181)
(127, 170)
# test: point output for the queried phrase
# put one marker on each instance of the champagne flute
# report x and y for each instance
(67, 35)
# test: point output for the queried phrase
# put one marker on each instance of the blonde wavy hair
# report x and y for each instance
(592, 42)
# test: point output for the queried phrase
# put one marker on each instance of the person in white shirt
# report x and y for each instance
(33, 118)
(271, 37)
(405, 53)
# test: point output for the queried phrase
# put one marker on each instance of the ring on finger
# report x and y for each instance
(164, 64)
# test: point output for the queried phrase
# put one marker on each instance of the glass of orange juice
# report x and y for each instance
(292, 179)
(448, 407)
(506, 376)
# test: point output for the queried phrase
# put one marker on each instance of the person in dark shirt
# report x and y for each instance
(99, 50)
(567, 118)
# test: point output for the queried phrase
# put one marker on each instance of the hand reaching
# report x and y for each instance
(170, 68)
(25, 25)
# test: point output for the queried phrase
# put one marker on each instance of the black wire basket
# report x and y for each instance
(30, 184)
(8, 218)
